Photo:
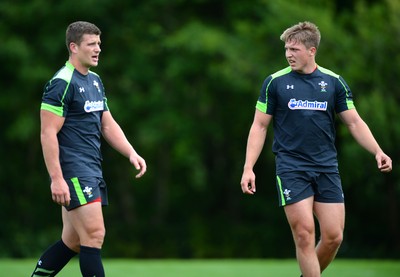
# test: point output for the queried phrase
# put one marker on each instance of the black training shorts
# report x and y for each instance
(298, 185)
(85, 190)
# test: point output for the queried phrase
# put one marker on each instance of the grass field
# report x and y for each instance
(212, 268)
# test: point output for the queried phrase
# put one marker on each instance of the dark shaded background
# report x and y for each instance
(182, 79)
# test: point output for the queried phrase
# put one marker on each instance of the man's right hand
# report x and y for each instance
(60, 192)
(248, 182)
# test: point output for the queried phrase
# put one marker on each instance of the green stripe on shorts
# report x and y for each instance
(78, 190)
(280, 190)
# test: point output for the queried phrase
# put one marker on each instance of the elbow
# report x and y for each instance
(43, 135)
(261, 128)
(47, 135)
(356, 124)
(104, 132)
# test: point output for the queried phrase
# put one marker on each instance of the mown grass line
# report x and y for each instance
(211, 268)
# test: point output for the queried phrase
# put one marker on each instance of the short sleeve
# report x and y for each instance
(266, 101)
(55, 97)
(344, 100)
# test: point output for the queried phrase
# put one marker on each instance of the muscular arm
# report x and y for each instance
(116, 138)
(363, 135)
(255, 143)
(50, 126)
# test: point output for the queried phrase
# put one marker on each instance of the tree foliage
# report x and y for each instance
(182, 79)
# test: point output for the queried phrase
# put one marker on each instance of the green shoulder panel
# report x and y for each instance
(263, 106)
(349, 102)
(64, 74)
(327, 71)
(94, 73)
(281, 72)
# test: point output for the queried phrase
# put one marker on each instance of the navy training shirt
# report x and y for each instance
(303, 107)
(81, 100)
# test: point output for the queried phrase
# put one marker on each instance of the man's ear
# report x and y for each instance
(313, 51)
(73, 47)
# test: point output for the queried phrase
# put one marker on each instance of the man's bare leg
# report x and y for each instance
(301, 220)
(331, 218)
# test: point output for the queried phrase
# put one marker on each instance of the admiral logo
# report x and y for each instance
(93, 106)
(307, 105)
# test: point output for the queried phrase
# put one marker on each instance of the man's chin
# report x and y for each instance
(93, 63)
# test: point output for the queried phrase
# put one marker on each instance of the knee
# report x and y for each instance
(304, 238)
(96, 237)
(71, 240)
(333, 240)
(73, 245)
(337, 240)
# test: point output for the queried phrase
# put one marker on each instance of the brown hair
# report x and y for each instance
(305, 32)
(76, 30)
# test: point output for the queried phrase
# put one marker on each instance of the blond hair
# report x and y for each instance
(305, 32)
